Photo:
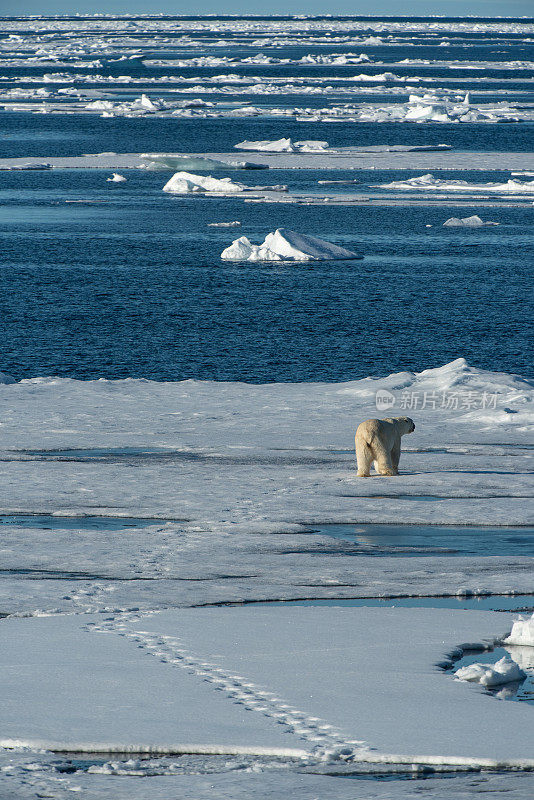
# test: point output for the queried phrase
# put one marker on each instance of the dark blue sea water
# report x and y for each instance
(128, 281)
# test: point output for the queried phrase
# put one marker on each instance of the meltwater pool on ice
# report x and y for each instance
(428, 540)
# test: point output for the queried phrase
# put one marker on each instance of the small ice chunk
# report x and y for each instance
(522, 632)
(311, 146)
(100, 105)
(116, 178)
(224, 224)
(275, 146)
(240, 250)
(285, 245)
(145, 102)
(466, 222)
(188, 183)
(504, 671)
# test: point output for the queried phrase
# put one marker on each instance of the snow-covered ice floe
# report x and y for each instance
(522, 632)
(116, 178)
(302, 683)
(468, 453)
(184, 162)
(466, 222)
(284, 146)
(429, 183)
(286, 245)
(188, 183)
(264, 463)
(503, 671)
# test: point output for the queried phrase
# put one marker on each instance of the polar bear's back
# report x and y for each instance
(372, 429)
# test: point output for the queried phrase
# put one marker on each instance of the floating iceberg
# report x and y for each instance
(116, 178)
(285, 245)
(155, 161)
(504, 671)
(188, 183)
(284, 146)
(466, 222)
(430, 183)
(522, 632)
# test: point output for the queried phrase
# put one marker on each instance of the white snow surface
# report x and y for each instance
(234, 475)
(285, 245)
(188, 183)
(244, 781)
(522, 632)
(503, 671)
(299, 682)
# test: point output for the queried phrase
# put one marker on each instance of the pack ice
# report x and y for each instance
(285, 245)
(188, 183)
(522, 632)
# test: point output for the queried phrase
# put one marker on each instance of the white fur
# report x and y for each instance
(379, 441)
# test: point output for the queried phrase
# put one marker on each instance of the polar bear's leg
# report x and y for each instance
(364, 457)
(395, 454)
(384, 463)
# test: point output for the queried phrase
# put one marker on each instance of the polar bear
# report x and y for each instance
(379, 441)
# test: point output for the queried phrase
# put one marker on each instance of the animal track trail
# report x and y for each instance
(327, 741)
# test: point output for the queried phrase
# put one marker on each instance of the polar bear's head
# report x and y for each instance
(404, 424)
